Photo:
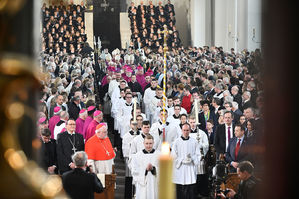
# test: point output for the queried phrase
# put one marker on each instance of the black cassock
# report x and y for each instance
(135, 87)
(48, 156)
(67, 145)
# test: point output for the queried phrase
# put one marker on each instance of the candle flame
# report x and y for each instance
(165, 149)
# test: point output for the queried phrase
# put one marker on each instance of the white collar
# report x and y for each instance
(71, 133)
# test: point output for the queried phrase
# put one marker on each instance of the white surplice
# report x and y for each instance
(185, 169)
(202, 144)
(146, 183)
(171, 133)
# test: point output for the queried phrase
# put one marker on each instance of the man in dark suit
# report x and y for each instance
(246, 103)
(237, 96)
(74, 108)
(236, 151)
(68, 143)
(224, 133)
(81, 182)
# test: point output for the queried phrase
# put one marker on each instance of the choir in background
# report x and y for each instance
(226, 87)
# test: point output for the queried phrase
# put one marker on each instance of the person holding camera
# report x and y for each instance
(248, 186)
(81, 182)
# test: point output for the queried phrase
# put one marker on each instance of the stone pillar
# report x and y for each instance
(89, 27)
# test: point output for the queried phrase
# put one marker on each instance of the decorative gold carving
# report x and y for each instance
(11, 6)
(18, 85)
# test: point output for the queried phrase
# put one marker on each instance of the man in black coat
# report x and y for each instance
(81, 182)
(74, 107)
(48, 156)
(135, 86)
(68, 143)
(224, 133)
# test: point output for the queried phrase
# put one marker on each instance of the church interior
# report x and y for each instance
(70, 46)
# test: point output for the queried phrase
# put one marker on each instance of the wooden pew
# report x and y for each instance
(108, 192)
(232, 182)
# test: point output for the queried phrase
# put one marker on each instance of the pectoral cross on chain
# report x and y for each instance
(74, 149)
(107, 152)
(105, 5)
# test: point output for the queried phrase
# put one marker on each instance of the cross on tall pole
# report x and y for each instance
(165, 32)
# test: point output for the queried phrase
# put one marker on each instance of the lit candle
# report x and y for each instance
(166, 186)
(134, 114)
(196, 111)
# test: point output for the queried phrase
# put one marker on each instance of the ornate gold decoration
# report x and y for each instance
(19, 85)
(11, 6)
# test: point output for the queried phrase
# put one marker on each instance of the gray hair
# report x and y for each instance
(228, 98)
(235, 105)
(79, 158)
(235, 88)
(251, 84)
(64, 115)
(219, 86)
(247, 93)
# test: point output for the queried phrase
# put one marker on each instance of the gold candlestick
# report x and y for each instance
(166, 186)
(165, 32)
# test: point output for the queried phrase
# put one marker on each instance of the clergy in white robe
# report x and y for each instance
(154, 103)
(99, 151)
(124, 114)
(138, 112)
(185, 153)
(114, 89)
(149, 94)
(203, 141)
(128, 138)
(126, 145)
(175, 117)
(137, 142)
(176, 101)
(145, 170)
(116, 106)
(171, 131)
(116, 93)
(202, 184)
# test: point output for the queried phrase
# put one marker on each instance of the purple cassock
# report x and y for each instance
(125, 77)
(104, 80)
(52, 122)
(91, 129)
(80, 125)
(85, 126)
(141, 80)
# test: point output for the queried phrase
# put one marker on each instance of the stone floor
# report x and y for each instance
(120, 173)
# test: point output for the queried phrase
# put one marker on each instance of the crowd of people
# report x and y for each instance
(147, 25)
(225, 87)
(63, 29)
